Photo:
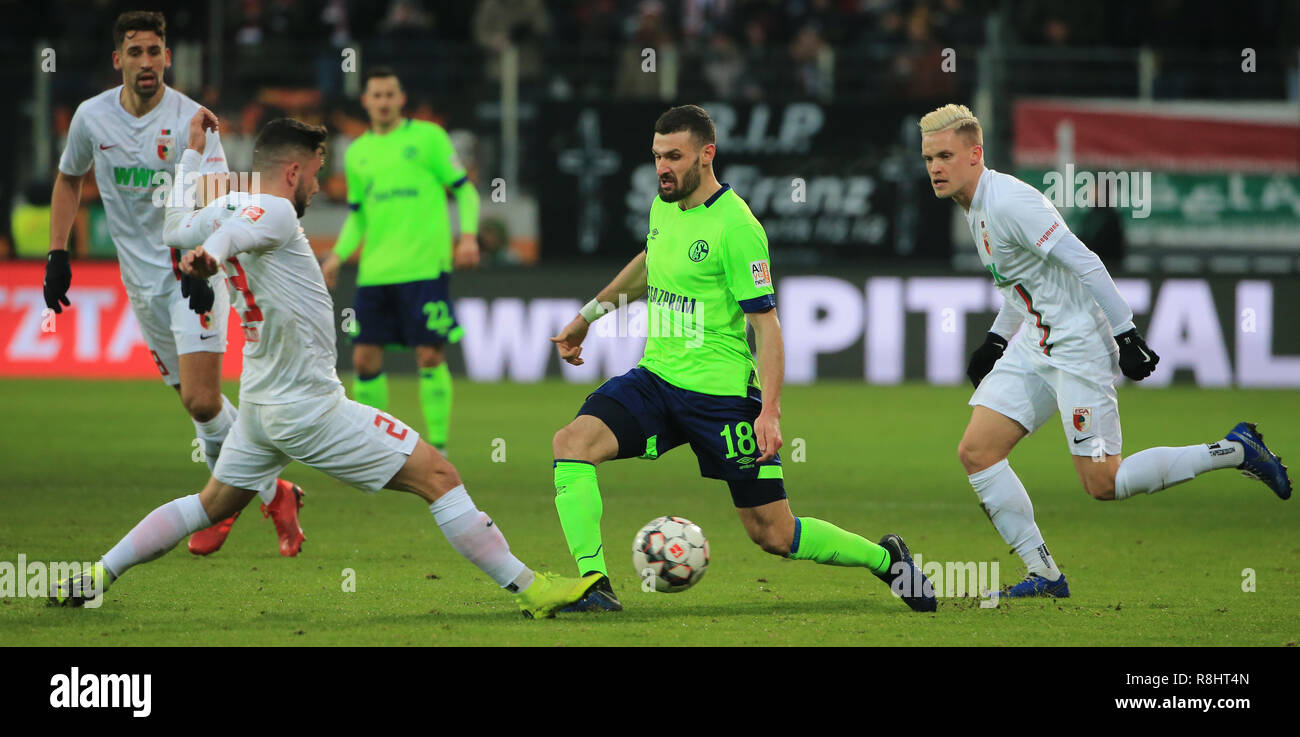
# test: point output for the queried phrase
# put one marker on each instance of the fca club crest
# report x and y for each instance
(165, 143)
(1082, 418)
(987, 250)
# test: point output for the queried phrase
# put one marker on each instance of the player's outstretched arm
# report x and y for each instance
(630, 285)
(771, 375)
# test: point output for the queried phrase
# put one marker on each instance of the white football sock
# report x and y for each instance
(212, 434)
(1154, 469)
(473, 534)
(1007, 503)
(157, 533)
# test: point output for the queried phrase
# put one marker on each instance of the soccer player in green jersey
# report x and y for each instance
(398, 176)
(704, 272)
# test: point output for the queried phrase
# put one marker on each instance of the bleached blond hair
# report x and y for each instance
(953, 117)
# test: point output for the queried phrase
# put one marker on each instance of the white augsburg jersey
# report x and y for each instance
(1015, 227)
(128, 154)
(278, 292)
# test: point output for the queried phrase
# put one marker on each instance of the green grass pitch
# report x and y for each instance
(83, 461)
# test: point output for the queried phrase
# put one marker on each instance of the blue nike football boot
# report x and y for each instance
(1260, 463)
(1036, 585)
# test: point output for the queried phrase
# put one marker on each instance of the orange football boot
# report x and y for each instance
(210, 540)
(283, 511)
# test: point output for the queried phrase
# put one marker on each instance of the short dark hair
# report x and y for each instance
(380, 72)
(691, 118)
(286, 138)
(138, 20)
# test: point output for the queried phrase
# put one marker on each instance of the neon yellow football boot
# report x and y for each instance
(550, 592)
(83, 589)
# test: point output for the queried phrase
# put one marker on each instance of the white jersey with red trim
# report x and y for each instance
(1015, 227)
(278, 292)
(129, 153)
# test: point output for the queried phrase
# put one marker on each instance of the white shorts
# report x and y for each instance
(1024, 386)
(354, 443)
(171, 329)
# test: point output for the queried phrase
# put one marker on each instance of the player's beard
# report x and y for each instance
(302, 197)
(690, 181)
(145, 93)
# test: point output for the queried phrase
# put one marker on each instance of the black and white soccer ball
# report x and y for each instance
(670, 554)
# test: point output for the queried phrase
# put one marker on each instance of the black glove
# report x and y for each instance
(58, 277)
(199, 292)
(982, 360)
(1136, 360)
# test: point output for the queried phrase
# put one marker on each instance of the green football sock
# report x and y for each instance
(825, 543)
(435, 399)
(577, 499)
(372, 390)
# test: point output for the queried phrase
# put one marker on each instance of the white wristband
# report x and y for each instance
(593, 310)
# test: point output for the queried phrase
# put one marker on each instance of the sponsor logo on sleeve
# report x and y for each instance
(1048, 234)
(761, 273)
(252, 213)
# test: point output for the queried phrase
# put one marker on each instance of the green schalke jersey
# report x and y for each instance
(397, 184)
(705, 268)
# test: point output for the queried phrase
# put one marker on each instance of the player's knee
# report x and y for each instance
(367, 360)
(1100, 486)
(974, 458)
(445, 475)
(202, 406)
(568, 443)
(771, 539)
(429, 357)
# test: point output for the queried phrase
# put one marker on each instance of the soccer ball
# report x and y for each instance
(670, 554)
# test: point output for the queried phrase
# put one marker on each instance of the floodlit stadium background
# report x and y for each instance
(1195, 106)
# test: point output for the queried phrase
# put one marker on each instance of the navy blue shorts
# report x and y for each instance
(409, 314)
(650, 417)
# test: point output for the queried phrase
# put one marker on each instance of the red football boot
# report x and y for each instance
(210, 540)
(283, 511)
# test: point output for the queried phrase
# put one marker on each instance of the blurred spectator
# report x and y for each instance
(594, 22)
(519, 23)
(722, 66)
(918, 69)
(810, 64)
(882, 23)
(31, 222)
(406, 19)
(759, 66)
(494, 243)
(703, 20)
(650, 31)
(820, 14)
(955, 25)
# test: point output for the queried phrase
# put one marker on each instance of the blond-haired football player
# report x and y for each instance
(1076, 335)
